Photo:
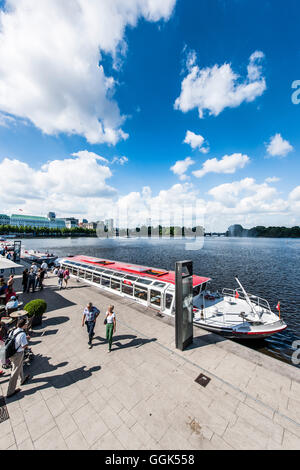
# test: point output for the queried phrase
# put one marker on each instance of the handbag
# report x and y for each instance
(105, 321)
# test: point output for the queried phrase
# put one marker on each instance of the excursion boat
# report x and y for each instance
(38, 257)
(234, 313)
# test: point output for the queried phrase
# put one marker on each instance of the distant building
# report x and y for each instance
(109, 223)
(82, 222)
(37, 221)
(90, 225)
(29, 221)
(4, 219)
(71, 222)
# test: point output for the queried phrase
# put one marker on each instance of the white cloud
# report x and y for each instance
(181, 166)
(195, 141)
(120, 160)
(272, 179)
(295, 194)
(228, 165)
(50, 62)
(278, 147)
(73, 185)
(216, 88)
(78, 186)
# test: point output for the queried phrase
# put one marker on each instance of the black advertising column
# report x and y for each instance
(184, 304)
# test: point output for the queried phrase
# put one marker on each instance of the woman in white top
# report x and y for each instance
(110, 325)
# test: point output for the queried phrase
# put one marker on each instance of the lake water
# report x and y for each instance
(269, 268)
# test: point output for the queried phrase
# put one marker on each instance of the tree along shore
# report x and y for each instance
(263, 232)
(46, 231)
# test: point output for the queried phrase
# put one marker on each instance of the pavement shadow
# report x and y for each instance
(116, 338)
(42, 365)
(136, 342)
(205, 340)
(50, 322)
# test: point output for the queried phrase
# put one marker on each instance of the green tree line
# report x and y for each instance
(46, 231)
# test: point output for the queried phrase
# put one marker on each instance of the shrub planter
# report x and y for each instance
(36, 308)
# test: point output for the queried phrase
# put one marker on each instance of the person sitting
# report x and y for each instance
(12, 305)
(9, 293)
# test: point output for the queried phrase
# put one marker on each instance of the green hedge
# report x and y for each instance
(36, 307)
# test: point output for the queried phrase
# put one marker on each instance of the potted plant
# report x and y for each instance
(36, 308)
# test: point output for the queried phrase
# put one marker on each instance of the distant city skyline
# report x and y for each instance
(151, 108)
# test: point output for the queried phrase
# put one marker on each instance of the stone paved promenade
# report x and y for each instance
(143, 394)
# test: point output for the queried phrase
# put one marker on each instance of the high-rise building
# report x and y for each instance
(109, 223)
(4, 219)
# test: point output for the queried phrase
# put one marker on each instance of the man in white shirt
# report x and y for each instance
(45, 268)
(17, 359)
(34, 268)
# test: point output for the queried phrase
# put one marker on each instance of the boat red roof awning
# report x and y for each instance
(140, 271)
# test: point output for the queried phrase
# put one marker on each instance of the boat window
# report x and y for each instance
(169, 299)
(140, 293)
(88, 275)
(105, 281)
(197, 290)
(81, 273)
(160, 284)
(203, 286)
(115, 285)
(96, 279)
(108, 271)
(99, 269)
(132, 278)
(155, 272)
(119, 274)
(127, 288)
(74, 270)
(144, 281)
(155, 297)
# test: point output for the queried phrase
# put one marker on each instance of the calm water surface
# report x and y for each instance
(269, 268)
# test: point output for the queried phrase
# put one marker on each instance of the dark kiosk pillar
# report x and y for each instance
(184, 304)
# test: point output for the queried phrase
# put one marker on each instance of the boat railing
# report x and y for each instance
(260, 302)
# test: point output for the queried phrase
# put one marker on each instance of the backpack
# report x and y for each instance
(10, 345)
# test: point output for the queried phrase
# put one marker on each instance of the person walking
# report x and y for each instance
(40, 278)
(66, 277)
(45, 268)
(25, 280)
(60, 276)
(17, 359)
(111, 325)
(89, 318)
(31, 280)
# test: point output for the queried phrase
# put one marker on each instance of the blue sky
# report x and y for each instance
(147, 80)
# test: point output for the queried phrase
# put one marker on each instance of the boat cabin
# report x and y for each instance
(150, 287)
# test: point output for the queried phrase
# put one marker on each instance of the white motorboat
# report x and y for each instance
(38, 257)
(234, 313)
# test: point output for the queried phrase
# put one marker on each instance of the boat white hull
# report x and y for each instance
(246, 332)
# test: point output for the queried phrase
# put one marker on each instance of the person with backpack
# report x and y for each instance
(15, 345)
(60, 276)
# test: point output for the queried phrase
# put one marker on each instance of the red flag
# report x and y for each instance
(236, 294)
(278, 306)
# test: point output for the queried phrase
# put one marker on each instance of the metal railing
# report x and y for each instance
(258, 301)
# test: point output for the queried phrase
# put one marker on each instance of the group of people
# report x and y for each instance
(89, 318)
(7, 289)
(4, 251)
(34, 277)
